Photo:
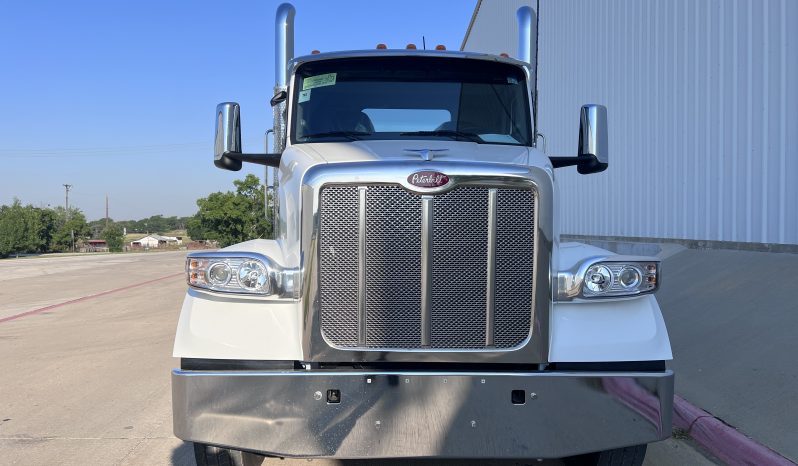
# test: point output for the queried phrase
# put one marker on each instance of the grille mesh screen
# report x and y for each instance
(393, 261)
(338, 270)
(393, 264)
(460, 255)
(515, 216)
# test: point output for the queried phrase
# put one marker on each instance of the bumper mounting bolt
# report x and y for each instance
(533, 396)
(317, 396)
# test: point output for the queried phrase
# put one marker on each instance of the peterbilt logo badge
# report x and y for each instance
(428, 179)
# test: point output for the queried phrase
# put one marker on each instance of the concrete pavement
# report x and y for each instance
(87, 383)
(732, 318)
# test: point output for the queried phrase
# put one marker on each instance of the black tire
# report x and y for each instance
(206, 455)
(629, 456)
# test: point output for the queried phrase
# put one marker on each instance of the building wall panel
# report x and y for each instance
(702, 101)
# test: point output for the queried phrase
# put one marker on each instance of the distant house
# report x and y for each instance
(156, 241)
(95, 245)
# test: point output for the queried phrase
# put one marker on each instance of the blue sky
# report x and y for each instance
(117, 98)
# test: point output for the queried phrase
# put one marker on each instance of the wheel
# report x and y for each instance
(629, 456)
(206, 455)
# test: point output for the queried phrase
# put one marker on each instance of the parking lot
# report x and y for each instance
(86, 347)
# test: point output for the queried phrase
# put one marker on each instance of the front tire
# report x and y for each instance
(629, 456)
(207, 455)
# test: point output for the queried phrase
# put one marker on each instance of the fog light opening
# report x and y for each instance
(518, 397)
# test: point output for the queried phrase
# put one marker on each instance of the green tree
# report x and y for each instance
(112, 234)
(12, 228)
(70, 225)
(232, 217)
(46, 225)
(25, 229)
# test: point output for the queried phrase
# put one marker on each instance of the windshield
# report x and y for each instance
(411, 98)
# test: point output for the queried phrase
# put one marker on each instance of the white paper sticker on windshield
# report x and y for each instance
(304, 96)
(319, 81)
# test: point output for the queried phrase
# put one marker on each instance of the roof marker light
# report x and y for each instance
(314, 52)
(504, 55)
(381, 46)
(411, 47)
(440, 47)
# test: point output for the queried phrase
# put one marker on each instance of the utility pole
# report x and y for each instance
(106, 211)
(67, 187)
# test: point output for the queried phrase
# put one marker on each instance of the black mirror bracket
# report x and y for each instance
(269, 160)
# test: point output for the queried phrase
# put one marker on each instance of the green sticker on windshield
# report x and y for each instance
(304, 96)
(319, 81)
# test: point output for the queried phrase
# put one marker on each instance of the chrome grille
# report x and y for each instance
(382, 306)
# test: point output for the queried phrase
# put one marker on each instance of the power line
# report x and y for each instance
(136, 151)
(107, 149)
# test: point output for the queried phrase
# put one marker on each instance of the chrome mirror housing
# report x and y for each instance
(592, 154)
(227, 153)
(228, 136)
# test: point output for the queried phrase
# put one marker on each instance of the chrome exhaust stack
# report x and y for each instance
(528, 52)
(283, 53)
(527, 35)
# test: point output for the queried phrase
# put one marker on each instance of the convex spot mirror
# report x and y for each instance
(278, 98)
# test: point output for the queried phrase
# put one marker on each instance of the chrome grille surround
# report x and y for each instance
(401, 343)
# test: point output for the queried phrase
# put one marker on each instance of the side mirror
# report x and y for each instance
(228, 136)
(593, 155)
(227, 153)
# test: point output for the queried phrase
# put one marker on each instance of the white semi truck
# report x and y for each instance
(416, 300)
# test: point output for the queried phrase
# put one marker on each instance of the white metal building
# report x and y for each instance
(702, 97)
(156, 241)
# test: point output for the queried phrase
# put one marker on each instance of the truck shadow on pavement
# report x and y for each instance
(184, 456)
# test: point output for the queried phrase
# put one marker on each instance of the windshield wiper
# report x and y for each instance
(473, 137)
(350, 135)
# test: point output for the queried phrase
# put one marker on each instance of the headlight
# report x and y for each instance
(609, 277)
(230, 274)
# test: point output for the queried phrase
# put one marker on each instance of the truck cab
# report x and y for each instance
(416, 300)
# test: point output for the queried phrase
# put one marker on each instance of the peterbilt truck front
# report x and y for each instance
(416, 300)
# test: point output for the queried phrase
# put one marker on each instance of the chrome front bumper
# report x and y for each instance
(422, 414)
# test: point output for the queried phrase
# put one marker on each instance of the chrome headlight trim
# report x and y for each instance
(276, 282)
(571, 284)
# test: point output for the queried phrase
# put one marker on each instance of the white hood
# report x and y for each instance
(333, 152)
